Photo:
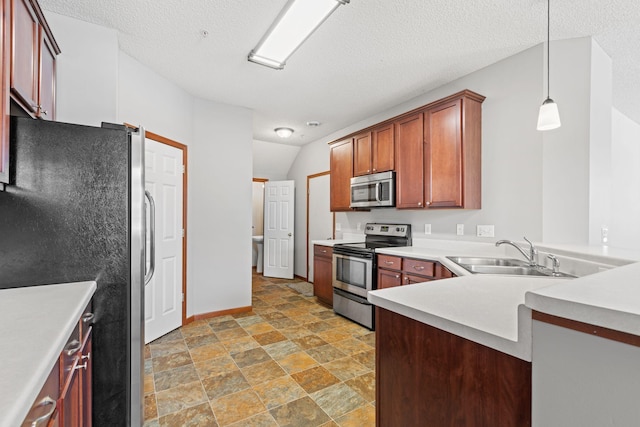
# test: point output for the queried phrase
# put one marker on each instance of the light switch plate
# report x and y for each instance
(485, 231)
(460, 229)
(338, 226)
(427, 229)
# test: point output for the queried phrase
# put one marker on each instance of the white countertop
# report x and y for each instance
(336, 241)
(485, 309)
(610, 299)
(37, 321)
(495, 310)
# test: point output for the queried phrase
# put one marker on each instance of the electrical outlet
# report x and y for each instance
(460, 229)
(485, 231)
(338, 226)
(427, 229)
(359, 226)
(604, 234)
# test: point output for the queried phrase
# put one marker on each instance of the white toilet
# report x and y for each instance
(258, 241)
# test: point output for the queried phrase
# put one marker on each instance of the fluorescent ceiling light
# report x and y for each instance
(295, 23)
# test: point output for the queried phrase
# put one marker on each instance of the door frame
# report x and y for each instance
(161, 139)
(333, 234)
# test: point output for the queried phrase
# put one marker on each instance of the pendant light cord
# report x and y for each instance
(548, 44)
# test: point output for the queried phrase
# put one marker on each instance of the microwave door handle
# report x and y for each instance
(378, 192)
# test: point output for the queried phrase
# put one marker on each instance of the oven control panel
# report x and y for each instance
(395, 230)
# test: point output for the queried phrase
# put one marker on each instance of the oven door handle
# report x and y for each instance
(378, 187)
(354, 298)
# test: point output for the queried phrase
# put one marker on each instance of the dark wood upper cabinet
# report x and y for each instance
(409, 162)
(383, 149)
(373, 151)
(452, 155)
(28, 51)
(25, 42)
(362, 154)
(341, 165)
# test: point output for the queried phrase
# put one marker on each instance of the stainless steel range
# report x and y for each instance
(354, 270)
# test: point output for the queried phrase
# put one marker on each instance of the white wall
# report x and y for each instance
(220, 196)
(273, 161)
(86, 71)
(97, 82)
(624, 227)
(148, 99)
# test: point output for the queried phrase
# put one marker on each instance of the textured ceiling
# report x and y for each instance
(368, 56)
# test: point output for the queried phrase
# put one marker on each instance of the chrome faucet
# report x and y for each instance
(531, 257)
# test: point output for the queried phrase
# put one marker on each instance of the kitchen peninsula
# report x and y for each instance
(460, 350)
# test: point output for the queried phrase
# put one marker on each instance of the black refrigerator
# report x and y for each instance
(75, 210)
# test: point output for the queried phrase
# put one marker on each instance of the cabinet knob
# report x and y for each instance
(374, 169)
(397, 276)
(428, 203)
(419, 203)
(41, 111)
(368, 170)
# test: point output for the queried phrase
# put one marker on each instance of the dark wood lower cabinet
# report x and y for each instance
(323, 274)
(427, 377)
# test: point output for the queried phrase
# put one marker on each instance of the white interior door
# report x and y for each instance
(279, 200)
(320, 216)
(163, 293)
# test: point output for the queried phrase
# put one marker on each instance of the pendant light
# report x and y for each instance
(548, 117)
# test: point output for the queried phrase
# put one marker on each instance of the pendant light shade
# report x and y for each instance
(548, 117)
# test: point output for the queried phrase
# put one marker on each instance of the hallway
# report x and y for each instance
(289, 362)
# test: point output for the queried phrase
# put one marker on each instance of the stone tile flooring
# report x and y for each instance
(289, 362)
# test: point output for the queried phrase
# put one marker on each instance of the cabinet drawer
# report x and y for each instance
(390, 262)
(44, 406)
(416, 266)
(410, 279)
(323, 251)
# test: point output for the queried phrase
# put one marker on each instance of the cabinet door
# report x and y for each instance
(322, 279)
(362, 154)
(24, 54)
(383, 147)
(443, 155)
(70, 399)
(47, 89)
(341, 164)
(410, 279)
(409, 162)
(86, 372)
(388, 278)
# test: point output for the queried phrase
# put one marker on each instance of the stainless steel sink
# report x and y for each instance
(495, 269)
(487, 261)
(508, 266)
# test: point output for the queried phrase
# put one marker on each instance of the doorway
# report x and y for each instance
(320, 219)
(166, 180)
(257, 222)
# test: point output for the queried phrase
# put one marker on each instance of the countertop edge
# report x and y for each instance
(520, 348)
(15, 414)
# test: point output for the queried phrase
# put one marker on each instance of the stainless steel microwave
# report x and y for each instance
(376, 190)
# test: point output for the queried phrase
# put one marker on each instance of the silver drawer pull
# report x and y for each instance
(84, 366)
(47, 401)
(389, 262)
(88, 317)
(324, 251)
(418, 267)
(72, 347)
(86, 356)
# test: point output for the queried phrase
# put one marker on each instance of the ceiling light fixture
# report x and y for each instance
(548, 117)
(283, 132)
(295, 23)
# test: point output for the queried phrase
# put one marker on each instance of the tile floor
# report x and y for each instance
(289, 362)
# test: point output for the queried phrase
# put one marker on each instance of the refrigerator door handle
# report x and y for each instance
(152, 237)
